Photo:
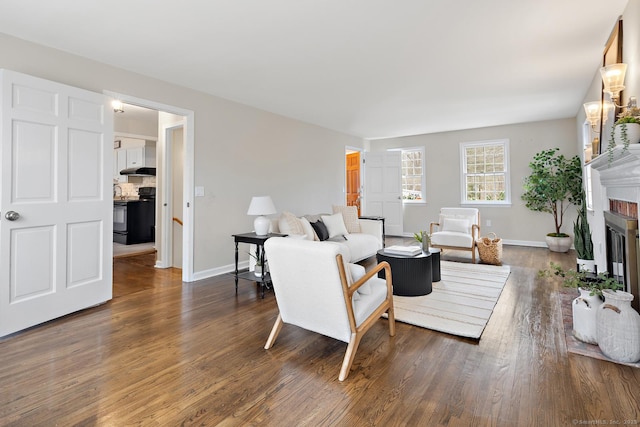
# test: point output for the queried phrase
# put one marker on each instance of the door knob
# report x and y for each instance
(12, 215)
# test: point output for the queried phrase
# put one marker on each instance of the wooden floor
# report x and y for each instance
(163, 353)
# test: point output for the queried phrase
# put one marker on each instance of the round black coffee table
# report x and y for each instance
(411, 274)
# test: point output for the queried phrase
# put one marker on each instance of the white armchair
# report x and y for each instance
(317, 291)
(457, 228)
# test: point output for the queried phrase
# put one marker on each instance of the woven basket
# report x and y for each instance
(490, 249)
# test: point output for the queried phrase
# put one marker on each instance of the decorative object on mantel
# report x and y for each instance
(618, 327)
(626, 129)
(555, 183)
(261, 205)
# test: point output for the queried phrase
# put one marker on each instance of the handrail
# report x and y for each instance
(177, 220)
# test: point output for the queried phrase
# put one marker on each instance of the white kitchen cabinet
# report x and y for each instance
(119, 163)
(135, 157)
(133, 153)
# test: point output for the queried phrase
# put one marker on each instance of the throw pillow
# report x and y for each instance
(357, 272)
(335, 224)
(321, 230)
(457, 225)
(308, 229)
(290, 224)
(350, 217)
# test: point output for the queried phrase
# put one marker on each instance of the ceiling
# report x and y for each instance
(369, 68)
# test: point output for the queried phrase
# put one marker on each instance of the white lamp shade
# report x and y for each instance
(613, 78)
(261, 205)
(593, 111)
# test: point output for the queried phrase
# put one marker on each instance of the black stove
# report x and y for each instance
(134, 220)
(147, 193)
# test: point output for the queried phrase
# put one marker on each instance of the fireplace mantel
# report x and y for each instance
(623, 171)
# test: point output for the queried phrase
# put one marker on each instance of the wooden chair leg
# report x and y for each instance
(349, 355)
(274, 332)
(392, 321)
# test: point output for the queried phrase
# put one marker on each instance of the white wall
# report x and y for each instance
(240, 151)
(515, 224)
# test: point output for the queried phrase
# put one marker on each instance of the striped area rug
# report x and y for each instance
(460, 304)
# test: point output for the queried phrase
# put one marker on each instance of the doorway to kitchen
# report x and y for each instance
(173, 123)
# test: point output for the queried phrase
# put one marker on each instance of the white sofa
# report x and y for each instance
(359, 240)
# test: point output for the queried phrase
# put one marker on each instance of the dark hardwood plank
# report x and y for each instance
(164, 353)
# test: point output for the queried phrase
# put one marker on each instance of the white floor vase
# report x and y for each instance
(618, 327)
(585, 308)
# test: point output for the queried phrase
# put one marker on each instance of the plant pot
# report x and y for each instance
(586, 265)
(558, 244)
(584, 310)
(618, 327)
(633, 133)
(258, 270)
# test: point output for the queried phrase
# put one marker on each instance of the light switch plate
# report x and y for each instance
(199, 191)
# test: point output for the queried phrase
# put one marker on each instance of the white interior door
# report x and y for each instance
(56, 205)
(383, 188)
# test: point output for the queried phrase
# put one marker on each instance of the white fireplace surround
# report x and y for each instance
(618, 180)
(621, 178)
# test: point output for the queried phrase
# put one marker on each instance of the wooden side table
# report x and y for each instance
(252, 238)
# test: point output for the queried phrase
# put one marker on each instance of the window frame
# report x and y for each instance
(507, 172)
(423, 183)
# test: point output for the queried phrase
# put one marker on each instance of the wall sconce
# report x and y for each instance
(118, 106)
(596, 110)
(613, 80)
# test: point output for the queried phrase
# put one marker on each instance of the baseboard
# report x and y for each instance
(212, 272)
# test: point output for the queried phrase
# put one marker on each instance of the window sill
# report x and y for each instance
(496, 204)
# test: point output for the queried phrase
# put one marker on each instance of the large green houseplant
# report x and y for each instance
(555, 183)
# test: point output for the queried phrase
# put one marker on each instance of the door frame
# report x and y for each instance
(188, 177)
(347, 150)
(165, 260)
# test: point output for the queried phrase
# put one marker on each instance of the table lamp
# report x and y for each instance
(261, 205)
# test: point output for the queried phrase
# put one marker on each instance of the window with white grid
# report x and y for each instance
(485, 172)
(413, 177)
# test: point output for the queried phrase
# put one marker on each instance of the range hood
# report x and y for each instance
(144, 171)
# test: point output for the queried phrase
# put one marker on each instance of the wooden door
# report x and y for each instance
(56, 149)
(353, 180)
(383, 189)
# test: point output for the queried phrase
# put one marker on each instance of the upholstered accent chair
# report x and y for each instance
(457, 228)
(316, 290)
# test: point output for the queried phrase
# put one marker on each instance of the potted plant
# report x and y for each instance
(555, 183)
(585, 307)
(258, 267)
(582, 241)
(626, 130)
